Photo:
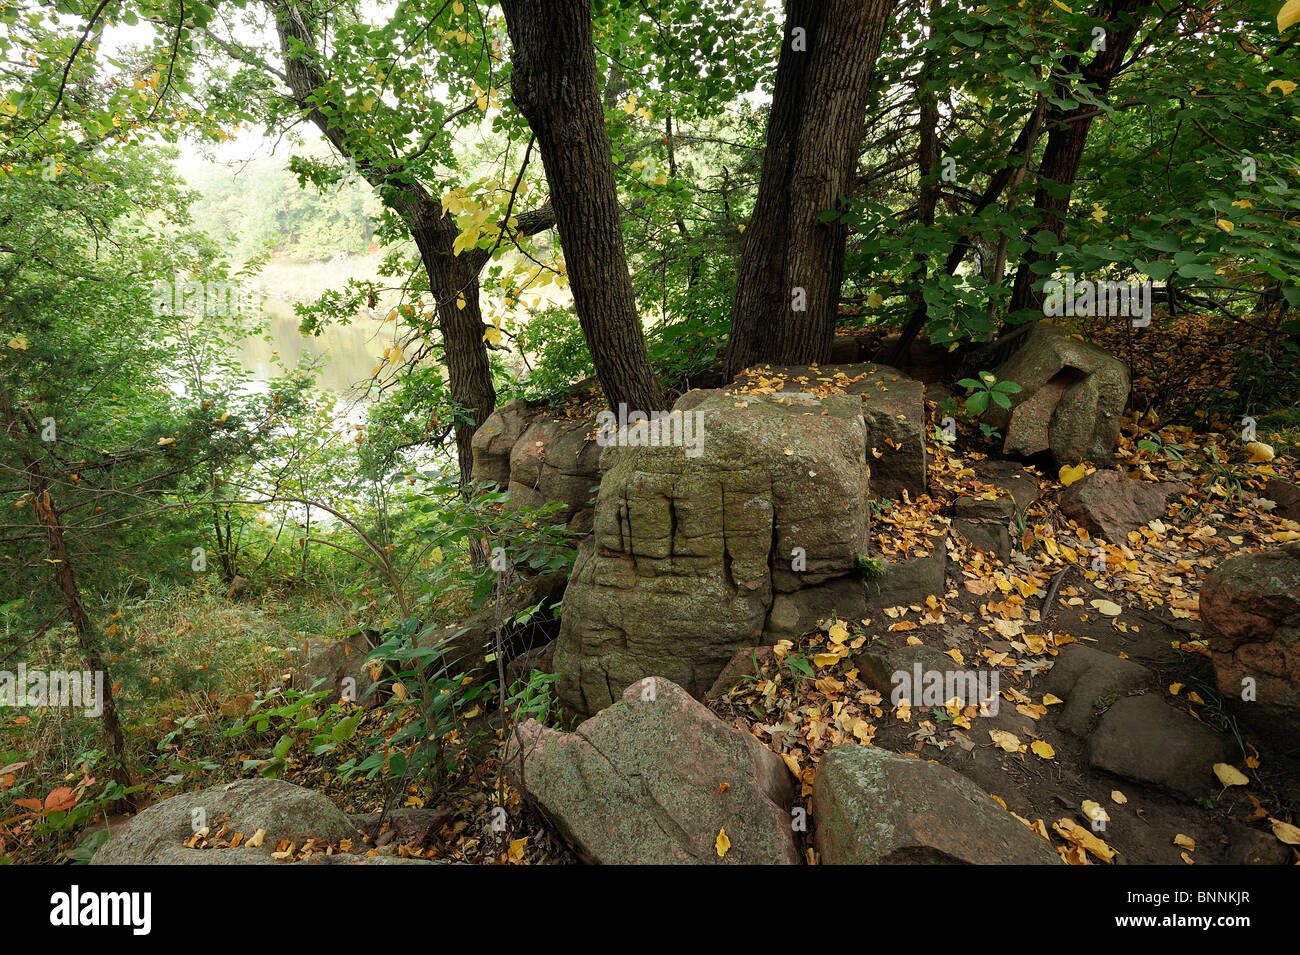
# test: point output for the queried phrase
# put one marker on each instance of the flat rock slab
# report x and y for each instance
(875, 808)
(654, 779)
(893, 406)
(285, 811)
(1145, 739)
(1110, 504)
(1085, 677)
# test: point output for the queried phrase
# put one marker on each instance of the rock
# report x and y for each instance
(747, 663)
(875, 808)
(893, 407)
(555, 460)
(688, 551)
(643, 783)
(992, 537)
(877, 666)
(845, 349)
(1254, 847)
(285, 811)
(1072, 400)
(794, 614)
(469, 642)
(403, 825)
(493, 441)
(538, 658)
(910, 580)
(1109, 504)
(1286, 496)
(330, 664)
(1084, 677)
(1145, 739)
(1250, 606)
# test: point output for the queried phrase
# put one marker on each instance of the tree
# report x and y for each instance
(789, 278)
(555, 86)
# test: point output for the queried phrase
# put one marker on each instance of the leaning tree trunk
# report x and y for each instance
(556, 87)
(788, 282)
(47, 516)
(1067, 135)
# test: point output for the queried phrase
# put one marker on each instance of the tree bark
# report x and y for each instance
(1067, 135)
(556, 88)
(814, 132)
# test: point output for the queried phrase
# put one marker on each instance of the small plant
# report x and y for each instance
(988, 389)
(534, 699)
(1156, 446)
(871, 568)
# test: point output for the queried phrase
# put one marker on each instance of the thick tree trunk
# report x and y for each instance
(788, 282)
(556, 87)
(1067, 135)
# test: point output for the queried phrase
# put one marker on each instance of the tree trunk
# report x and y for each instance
(556, 88)
(788, 281)
(87, 640)
(1067, 135)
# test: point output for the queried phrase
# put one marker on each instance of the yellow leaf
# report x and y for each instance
(256, 841)
(1175, 688)
(1224, 224)
(1042, 750)
(1260, 453)
(1185, 842)
(874, 300)
(1051, 699)
(1092, 810)
(1118, 797)
(825, 659)
(791, 764)
(18, 343)
(492, 334)
(1069, 475)
(1286, 86)
(458, 8)
(838, 632)
(1005, 740)
(1107, 607)
(1288, 15)
(516, 851)
(435, 555)
(163, 442)
(722, 843)
(1230, 775)
(1062, 6)
(1285, 831)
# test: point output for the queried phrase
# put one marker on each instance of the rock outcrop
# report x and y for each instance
(689, 551)
(1072, 401)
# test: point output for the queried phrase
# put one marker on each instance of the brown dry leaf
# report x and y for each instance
(255, 841)
(1004, 740)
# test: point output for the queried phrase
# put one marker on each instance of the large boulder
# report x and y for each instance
(338, 666)
(540, 458)
(872, 807)
(893, 408)
(1145, 739)
(655, 779)
(1085, 677)
(556, 460)
(691, 544)
(157, 835)
(1109, 504)
(1072, 399)
(1250, 605)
